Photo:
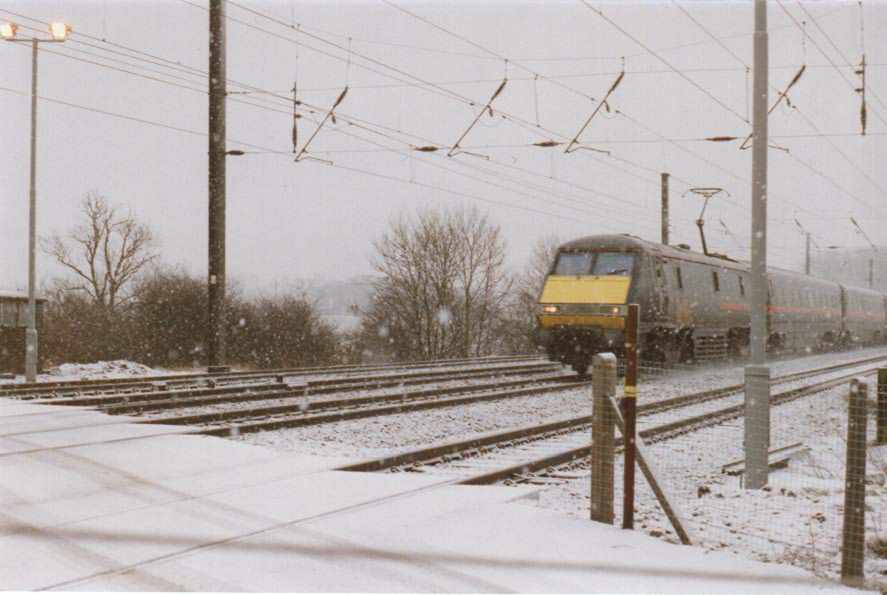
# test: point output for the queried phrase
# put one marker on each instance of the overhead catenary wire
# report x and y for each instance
(837, 49)
(141, 120)
(191, 88)
(202, 91)
(507, 116)
(623, 160)
(264, 149)
(825, 55)
(282, 111)
(149, 122)
(659, 57)
(808, 120)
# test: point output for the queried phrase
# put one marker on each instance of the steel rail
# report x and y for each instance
(455, 450)
(352, 412)
(662, 432)
(285, 392)
(306, 406)
(309, 387)
(13, 389)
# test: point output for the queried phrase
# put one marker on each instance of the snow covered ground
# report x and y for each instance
(185, 513)
(796, 520)
(96, 370)
(392, 433)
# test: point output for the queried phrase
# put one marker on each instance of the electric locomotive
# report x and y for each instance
(692, 306)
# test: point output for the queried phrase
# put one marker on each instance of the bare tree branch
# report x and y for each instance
(107, 251)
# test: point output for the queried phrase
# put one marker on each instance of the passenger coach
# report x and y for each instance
(692, 306)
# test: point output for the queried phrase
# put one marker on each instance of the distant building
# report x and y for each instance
(13, 322)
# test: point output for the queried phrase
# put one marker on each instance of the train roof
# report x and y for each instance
(626, 242)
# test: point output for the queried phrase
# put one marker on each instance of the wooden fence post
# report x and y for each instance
(603, 387)
(853, 542)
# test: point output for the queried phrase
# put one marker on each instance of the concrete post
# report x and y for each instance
(603, 387)
(757, 385)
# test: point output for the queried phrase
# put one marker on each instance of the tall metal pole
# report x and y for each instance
(664, 183)
(217, 92)
(31, 332)
(757, 375)
(807, 255)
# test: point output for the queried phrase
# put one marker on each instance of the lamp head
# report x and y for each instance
(59, 31)
(8, 30)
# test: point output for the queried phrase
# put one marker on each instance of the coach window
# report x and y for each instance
(716, 282)
(677, 277)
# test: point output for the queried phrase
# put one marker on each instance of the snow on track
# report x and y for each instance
(376, 437)
(379, 436)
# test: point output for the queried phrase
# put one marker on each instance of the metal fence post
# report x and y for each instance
(853, 542)
(603, 387)
(629, 413)
(881, 436)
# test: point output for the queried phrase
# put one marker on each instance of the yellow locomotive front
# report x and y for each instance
(581, 309)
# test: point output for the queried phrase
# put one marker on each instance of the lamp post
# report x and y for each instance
(59, 33)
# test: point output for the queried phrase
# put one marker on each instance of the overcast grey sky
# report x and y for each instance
(291, 220)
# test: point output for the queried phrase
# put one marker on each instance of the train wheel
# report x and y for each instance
(581, 367)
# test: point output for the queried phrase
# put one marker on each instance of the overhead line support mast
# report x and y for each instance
(757, 374)
(215, 336)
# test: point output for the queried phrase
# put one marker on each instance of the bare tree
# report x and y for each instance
(519, 322)
(105, 253)
(529, 282)
(441, 288)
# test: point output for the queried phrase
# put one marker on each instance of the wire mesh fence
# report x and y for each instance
(810, 513)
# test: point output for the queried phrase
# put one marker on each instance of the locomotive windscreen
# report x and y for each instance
(613, 263)
(573, 263)
(594, 263)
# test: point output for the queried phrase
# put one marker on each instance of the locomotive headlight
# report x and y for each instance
(618, 310)
(550, 309)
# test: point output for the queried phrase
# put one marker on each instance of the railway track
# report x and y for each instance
(235, 422)
(543, 453)
(65, 388)
(155, 400)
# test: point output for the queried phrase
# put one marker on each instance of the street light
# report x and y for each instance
(59, 33)
(8, 30)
